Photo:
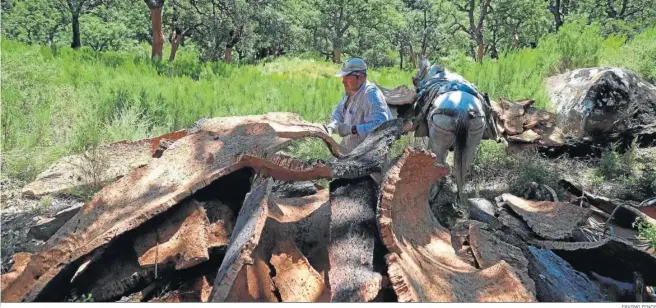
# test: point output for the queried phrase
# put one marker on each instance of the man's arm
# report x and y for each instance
(337, 116)
(378, 113)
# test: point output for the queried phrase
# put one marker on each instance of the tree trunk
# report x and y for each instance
(413, 57)
(158, 35)
(337, 55)
(175, 42)
(401, 56)
(228, 54)
(555, 10)
(75, 44)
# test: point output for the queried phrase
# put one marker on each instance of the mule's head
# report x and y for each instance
(426, 71)
(424, 66)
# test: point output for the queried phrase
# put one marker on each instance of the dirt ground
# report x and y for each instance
(20, 213)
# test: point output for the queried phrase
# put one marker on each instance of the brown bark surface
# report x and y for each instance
(551, 220)
(193, 163)
(423, 265)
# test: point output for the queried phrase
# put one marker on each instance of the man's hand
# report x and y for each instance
(344, 129)
(332, 126)
(327, 129)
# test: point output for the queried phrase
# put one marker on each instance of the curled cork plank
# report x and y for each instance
(401, 95)
(245, 237)
(286, 168)
(20, 260)
(371, 155)
(182, 239)
(611, 257)
(287, 125)
(422, 263)
(296, 208)
(352, 238)
(367, 158)
(295, 278)
(190, 164)
(511, 220)
(309, 234)
(551, 220)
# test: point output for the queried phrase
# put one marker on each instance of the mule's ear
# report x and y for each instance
(424, 64)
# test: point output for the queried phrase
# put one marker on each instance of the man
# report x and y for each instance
(362, 107)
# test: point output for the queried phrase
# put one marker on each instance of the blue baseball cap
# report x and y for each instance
(351, 66)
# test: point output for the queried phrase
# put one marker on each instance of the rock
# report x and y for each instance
(601, 100)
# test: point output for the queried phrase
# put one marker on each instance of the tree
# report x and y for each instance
(155, 7)
(337, 17)
(33, 21)
(560, 9)
(78, 8)
(515, 24)
(184, 20)
(476, 18)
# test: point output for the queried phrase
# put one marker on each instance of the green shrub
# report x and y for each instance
(530, 167)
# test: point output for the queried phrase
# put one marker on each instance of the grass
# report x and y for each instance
(647, 231)
(57, 102)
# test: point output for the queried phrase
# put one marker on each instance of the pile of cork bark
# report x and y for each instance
(217, 213)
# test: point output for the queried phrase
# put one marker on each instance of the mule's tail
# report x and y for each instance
(461, 132)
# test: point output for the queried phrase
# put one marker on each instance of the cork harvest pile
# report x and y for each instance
(218, 213)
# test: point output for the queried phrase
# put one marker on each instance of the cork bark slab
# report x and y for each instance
(120, 158)
(367, 158)
(194, 291)
(116, 273)
(422, 264)
(20, 260)
(509, 219)
(191, 163)
(286, 168)
(310, 235)
(287, 125)
(295, 278)
(401, 95)
(556, 281)
(551, 220)
(222, 221)
(245, 238)
(489, 250)
(254, 282)
(352, 238)
(296, 208)
(182, 239)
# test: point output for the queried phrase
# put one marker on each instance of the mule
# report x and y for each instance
(456, 118)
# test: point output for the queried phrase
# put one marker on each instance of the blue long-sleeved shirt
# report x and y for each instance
(366, 110)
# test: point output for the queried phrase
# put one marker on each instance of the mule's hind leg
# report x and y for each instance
(476, 131)
(440, 133)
